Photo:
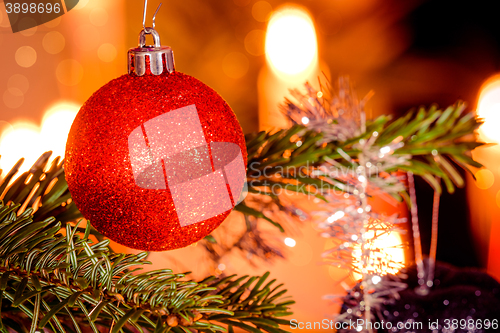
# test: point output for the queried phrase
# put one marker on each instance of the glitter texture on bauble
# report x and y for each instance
(99, 159)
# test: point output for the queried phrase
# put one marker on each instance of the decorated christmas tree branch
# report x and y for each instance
(368, 156)
(313, 159)
(424, 142)
(62, 280)
(429, 143)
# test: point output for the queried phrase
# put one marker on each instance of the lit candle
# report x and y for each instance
(484, 193)
(291, 60)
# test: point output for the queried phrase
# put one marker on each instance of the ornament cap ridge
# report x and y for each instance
(157, 59)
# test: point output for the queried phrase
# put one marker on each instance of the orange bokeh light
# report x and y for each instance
(387, 257)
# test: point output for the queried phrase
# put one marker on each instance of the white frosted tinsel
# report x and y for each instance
(347, 219)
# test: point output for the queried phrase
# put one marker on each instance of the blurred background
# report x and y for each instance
(410, 53)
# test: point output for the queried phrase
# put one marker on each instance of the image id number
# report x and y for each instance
(32, 8)
(455, 324)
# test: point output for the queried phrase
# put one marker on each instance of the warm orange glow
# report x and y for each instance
(489, 108)
(291, 45)
(387, 254)
(28, 141)
(55, 127)
(20, 140)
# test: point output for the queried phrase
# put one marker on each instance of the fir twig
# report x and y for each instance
(55, 277)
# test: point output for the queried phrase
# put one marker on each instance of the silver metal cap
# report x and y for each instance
(147, 59)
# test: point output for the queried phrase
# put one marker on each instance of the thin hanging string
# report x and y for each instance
(156, 12)
(417, 244)
(144, 14)
(434, 239)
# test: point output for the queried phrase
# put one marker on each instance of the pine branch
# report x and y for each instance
(44, 189)
(437, 141)
(430, 143)
(433, 142)
(62, 280)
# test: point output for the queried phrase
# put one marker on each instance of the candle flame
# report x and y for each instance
(488, 108)
(291, 45)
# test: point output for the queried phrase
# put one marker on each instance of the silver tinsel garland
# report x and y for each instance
(347, 219)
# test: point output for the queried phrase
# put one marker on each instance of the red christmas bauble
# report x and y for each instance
(155, 162)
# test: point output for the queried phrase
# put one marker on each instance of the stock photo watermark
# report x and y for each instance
(401, 326)
(292, 180)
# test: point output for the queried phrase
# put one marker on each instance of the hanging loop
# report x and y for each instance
(152, 32)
